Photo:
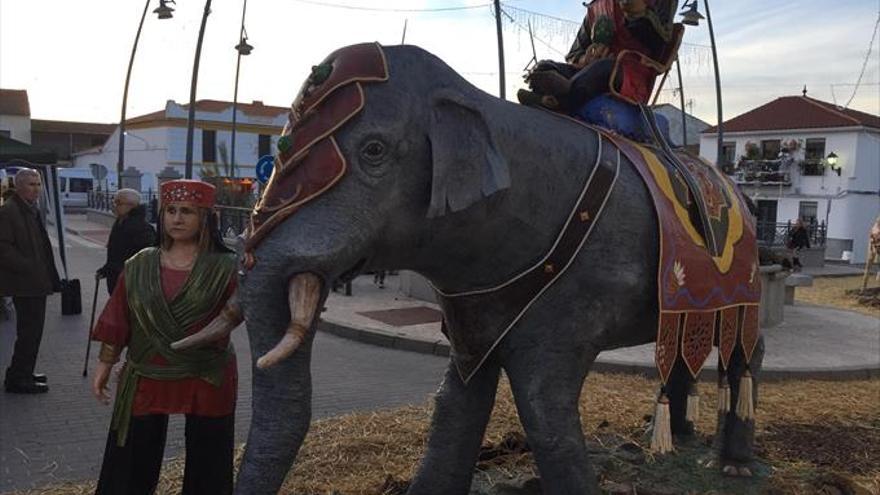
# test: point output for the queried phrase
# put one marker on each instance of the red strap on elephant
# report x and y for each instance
(310, 161)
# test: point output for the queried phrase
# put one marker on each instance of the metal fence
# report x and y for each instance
(233, 220)
(103, 201)
(778, 234)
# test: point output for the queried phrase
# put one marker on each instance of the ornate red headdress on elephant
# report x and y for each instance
(309, 161)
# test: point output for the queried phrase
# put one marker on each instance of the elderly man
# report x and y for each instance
(28, 274)
(130, 234)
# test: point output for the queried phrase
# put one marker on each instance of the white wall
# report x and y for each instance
(19, 127)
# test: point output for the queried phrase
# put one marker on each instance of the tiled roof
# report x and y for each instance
(14, 102)
(61, 126)
(797, 112)
(254, 109)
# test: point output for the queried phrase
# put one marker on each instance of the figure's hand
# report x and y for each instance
(221, 326)
(99, 383)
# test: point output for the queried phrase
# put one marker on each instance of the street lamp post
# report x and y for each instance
(164, 12)
(692, 18)
(243, 48)
(190, 121)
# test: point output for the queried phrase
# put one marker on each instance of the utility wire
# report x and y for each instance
(380, 9)
(865, 63)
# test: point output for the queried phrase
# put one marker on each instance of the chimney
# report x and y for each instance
(257, 103)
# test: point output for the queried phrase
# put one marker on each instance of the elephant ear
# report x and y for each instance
(467, 166)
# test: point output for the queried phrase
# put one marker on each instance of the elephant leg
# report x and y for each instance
(546, 385)
(677, 389)
(737, 435)
(461, 413)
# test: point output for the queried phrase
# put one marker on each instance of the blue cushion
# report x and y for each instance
(621, 117)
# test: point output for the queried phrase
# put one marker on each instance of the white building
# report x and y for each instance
(692, 126)
(158, 140)
(15, 115)
(779, 154)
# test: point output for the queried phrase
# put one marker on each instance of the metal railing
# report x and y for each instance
(233, 220)
(103, 201)
(762, 172)
(778, 234)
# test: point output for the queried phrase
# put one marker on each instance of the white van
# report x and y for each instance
(75, 185)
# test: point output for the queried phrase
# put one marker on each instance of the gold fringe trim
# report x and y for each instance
(745, 406)
(661, 437)
(724, 396)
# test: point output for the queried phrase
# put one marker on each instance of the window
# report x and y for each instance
(770, 149)
(814, 157)
(728, 153)
(807, 211)
(815, 149)
(80, 185)
(209, 146)
(265, 146)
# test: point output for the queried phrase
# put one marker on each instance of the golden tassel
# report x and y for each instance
(693, 404)
(723, 395)
(661, 437)
(745, 406)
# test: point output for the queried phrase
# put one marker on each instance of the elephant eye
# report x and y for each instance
(373, 151)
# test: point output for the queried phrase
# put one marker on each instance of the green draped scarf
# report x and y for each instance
(156, 323)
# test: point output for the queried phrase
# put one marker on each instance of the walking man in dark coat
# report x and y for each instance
(130, 234)
(28, 274)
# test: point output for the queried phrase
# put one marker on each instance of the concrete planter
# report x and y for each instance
(772, 295)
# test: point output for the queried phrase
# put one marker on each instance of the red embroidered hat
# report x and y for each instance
(188, 191)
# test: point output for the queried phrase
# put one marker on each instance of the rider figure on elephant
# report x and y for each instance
(610, 27)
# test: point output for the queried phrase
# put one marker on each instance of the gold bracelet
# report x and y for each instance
(109, 354)
(232, 314)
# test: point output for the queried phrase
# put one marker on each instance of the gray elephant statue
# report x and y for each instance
(392, 161)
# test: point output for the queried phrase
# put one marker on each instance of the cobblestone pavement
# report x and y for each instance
(60, 436)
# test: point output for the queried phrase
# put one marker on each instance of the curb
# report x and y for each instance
(441, 348)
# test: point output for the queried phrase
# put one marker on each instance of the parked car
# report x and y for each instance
(75, 185)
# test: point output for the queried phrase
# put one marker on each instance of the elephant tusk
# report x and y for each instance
(303, 296)
(229, 319)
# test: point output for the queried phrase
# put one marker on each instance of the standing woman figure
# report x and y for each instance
(163, 295)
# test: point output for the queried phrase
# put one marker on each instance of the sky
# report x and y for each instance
(72, 56)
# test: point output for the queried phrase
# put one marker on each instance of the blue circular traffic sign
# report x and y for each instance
(264, 168)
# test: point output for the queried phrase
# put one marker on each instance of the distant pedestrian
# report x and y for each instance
(130, 234)
(28, 274)
(379, 278)
(798, 239)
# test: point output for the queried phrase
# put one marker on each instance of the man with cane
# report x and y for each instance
(130, 234)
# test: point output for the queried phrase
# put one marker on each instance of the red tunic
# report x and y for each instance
(186, 396)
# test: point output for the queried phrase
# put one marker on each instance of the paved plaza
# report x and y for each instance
(377, 349)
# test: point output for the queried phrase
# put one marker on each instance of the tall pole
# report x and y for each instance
(684, 137)
(501, 83)
(120, 159)
(190, 121)
(717, 87)
(235, 93)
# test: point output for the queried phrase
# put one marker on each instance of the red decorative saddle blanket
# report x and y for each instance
(709, 284)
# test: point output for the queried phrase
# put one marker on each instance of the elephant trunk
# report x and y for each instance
(282, 391)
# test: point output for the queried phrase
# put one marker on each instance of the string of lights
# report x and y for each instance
(387, 9)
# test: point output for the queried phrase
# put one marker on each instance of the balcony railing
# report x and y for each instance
(778, 234)
(762, 172)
